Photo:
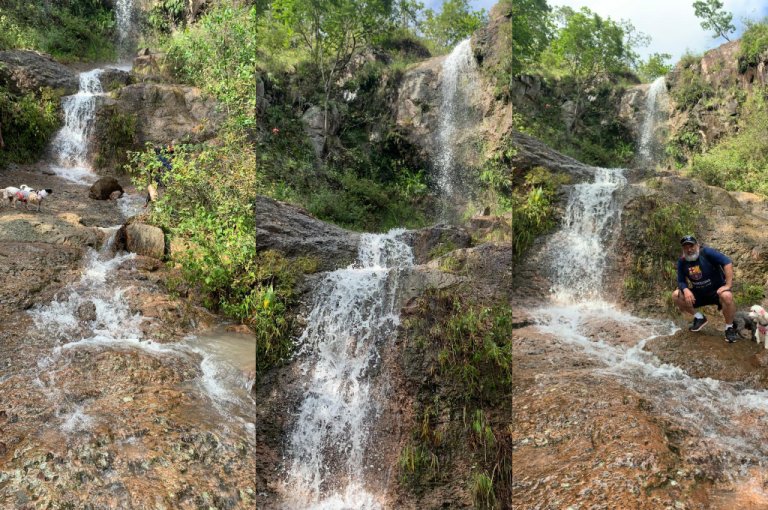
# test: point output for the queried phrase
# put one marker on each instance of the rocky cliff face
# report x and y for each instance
(723, 84)
(418, 105)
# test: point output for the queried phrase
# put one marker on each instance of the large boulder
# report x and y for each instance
(141, 239)
(291, 231)
(168, 112)
(104, 187)
(24, 71)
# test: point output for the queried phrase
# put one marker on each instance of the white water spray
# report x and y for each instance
(656, 105)
(70, 145)
(125, 26)
(354, 316)
(459, 74)
(578, 251)
(224, 359)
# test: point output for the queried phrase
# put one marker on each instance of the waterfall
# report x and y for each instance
(354, 317)
(70, 145)
(718, 413)
(579, 250)
(459, 76)
(656, 105)
(125, 28)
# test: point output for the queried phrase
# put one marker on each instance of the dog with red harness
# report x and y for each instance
(31, 196)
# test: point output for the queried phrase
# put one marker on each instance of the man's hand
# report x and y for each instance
(689, 298)
(724, 288)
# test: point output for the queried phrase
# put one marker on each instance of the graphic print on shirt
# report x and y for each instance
(694, 273)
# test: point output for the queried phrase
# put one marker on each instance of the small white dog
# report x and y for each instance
(31, 196)
(10, 192)
(760, 316)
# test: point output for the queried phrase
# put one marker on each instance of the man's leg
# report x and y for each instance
(729, 306)
(682, 304)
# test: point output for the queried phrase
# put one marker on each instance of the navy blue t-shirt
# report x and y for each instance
(704, 275)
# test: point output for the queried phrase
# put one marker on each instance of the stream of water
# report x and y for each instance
(716, 411)
(456, 113)
(354, 317)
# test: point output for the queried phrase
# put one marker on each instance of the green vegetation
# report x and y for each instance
(455, 22)
(466, 347)
(217, 55)
(28, 123)
(532, 205)
(655, 66)
(275, 277)
(740, 161)
(753, 44)
(690, 87)
(70, 30)
(531, 34)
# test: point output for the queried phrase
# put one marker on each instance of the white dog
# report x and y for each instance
(31, 196)
(10, 192)
(760, 316)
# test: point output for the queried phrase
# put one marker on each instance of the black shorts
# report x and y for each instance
(707, 299)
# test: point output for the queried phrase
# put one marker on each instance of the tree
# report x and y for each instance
(655, 66)
(455, 22)
(531, 32)
(714, 18)
(332, 30)
(587, 47)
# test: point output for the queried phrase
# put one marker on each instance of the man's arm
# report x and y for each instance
(728, 271)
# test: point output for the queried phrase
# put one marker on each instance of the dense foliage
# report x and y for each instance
(69, 30)
(28, 123)
(753, 44)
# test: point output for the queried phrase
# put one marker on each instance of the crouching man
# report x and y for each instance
(705, 277)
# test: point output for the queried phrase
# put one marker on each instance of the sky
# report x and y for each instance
(671, 24)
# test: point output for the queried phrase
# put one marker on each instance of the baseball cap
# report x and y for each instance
(688, 240)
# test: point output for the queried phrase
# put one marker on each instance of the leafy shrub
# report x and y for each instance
(275, 280)
(533, 211)
(690, 88)
(28, 123)
(754, 43)
(69, 30)
(217, 55)
(207, 206)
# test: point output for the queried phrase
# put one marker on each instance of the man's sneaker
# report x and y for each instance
(731, 335)
(697, 324)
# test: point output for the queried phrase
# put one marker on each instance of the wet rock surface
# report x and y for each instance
(90, 422)
(294, 233)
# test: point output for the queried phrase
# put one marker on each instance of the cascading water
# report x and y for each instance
(591, 214)
(456, 111)
(125, 27)
(580, 316)
(70, 145)
(656, 104)
(354, 316)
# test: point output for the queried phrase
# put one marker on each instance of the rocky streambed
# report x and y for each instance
(105, 401)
